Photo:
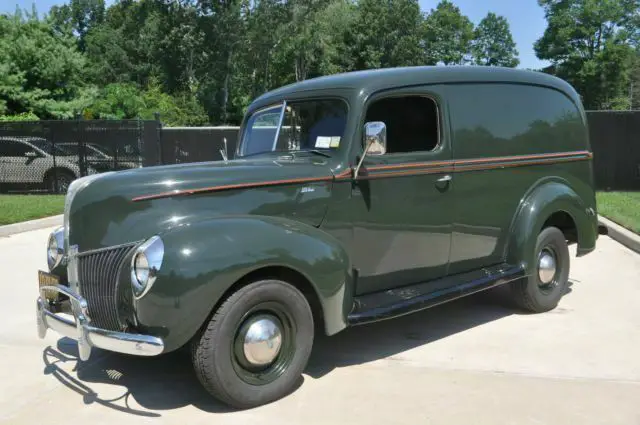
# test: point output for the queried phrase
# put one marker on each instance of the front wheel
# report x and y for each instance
(543, 290)
(256, 345)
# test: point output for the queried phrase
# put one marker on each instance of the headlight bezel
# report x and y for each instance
(56, 237)
(152, 250)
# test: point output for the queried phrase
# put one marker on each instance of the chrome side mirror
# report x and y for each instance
(375, 137)
(375, 141)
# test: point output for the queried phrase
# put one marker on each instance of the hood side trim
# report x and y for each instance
(178, 192)
(421, 168)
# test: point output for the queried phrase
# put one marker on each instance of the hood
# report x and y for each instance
(126, 206)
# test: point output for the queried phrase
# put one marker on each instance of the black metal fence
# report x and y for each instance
(195, 144)
(47, 155)
(615, 140)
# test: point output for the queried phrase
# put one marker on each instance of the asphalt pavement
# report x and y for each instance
(473, 361)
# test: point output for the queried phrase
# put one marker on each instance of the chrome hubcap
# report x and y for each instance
(546, 267)
(262, 341)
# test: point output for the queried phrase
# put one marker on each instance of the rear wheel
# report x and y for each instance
(257, 344)
(543, 290)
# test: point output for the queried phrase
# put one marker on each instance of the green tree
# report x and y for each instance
(386, 33)
(25, 116)
(11, 81)
(127, 101)
(125, 47)
(493, 43)
(634, 83)
(42, 70)
(117, 101)
(306, 39)
(589, 43)
(78, 17)
(447, 35)
(178, 110)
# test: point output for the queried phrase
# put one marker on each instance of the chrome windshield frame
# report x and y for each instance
(275, 139)
(242, 146)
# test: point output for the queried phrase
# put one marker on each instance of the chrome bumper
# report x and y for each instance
(88, 336)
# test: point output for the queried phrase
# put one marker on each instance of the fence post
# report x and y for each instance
(159, 138)
(55, 165)
(82, 154)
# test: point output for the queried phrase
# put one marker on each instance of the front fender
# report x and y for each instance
(538, 205)
(204, 259)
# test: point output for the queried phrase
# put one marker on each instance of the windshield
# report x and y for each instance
(304, 125)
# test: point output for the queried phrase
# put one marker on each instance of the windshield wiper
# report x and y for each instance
(317, 152)
(285, 152)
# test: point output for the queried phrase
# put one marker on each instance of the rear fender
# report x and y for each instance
(204, 259)
(536, 207)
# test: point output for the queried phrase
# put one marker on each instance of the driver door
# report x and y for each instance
(402, 199)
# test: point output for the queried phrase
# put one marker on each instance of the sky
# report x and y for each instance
(525, 17)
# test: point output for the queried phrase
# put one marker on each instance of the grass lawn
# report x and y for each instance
(621, 207)
(16, 208)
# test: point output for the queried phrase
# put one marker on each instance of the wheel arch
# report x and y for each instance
(227, 253)
(565, 222)
(288, 274)
(549, 202)
(59, 168)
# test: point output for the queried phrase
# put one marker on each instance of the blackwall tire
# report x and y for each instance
(229, 371)
(542, 290)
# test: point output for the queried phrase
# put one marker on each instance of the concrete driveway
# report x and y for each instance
(473, 361)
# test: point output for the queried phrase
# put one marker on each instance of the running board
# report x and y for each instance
(408, 299)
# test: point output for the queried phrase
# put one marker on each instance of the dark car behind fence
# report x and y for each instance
(48, 155)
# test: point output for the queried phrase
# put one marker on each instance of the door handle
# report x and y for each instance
(444, 179)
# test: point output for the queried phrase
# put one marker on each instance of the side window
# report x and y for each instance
(11, 148)
(412, 122)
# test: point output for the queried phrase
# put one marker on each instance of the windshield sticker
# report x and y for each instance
(335, 142)
(323, 142)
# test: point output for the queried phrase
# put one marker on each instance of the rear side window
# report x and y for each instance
(509, 119)
(11, 148)
(411, 121)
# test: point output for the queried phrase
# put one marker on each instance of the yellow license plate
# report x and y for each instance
(48, 279)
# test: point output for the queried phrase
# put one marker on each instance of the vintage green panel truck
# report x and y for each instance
(351, 198)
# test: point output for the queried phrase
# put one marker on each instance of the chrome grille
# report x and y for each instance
(98, 273)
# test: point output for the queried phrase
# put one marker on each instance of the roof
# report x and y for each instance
(378, 79)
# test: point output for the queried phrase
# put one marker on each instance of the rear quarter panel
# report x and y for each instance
(542, 129)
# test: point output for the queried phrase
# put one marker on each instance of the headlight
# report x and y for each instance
(55, 248)
(141, 267)
(145, 264)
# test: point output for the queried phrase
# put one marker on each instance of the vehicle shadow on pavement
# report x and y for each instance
(156, 384)
(389, 338)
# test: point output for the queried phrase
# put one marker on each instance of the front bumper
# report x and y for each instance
(86, 335)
